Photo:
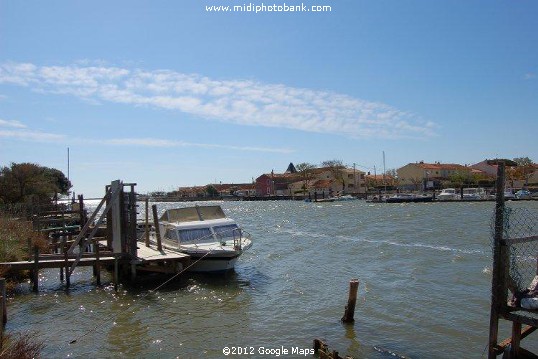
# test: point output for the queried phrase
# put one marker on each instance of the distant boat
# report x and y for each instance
(346, 197)
(409, 198)
(447, 194)
(475, 194)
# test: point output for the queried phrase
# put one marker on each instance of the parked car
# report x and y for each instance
(523, 193)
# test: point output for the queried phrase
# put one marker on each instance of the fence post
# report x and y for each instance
(157, 229)
(147, 223)
(498, 291)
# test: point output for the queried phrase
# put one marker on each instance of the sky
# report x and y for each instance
(176, 93)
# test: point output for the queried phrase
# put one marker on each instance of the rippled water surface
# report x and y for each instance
(424, 271)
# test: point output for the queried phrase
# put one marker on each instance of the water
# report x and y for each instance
(424, 271)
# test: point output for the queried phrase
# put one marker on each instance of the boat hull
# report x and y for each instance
(409, 199)
(212, 264)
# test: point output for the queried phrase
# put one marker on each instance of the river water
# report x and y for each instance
(424, 272)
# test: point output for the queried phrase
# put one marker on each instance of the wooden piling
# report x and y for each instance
(3, 301)
(146, 232)
(35, 270)
(157, 230)
(116, 273)
(67, 268)
(97, 264)
(352, 299)
(2, 309)
(498, 291)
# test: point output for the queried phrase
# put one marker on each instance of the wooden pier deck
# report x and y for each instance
(145, 256)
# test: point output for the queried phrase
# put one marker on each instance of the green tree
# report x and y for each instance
(336, 168)
(523, 171)
(211, 191)
(23, 182)
(305, 171)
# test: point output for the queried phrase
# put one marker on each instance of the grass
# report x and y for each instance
(15, 236)
(21, 346)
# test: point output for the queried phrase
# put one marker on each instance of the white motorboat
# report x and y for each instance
(213, 241)
(474, 194)
(447, 194)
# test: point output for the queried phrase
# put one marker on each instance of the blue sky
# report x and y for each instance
(167, 94)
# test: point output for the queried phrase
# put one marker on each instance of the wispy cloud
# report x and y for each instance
(18, 130)
(31, 135)
(156, 142)
(243, 102)
(11, 123)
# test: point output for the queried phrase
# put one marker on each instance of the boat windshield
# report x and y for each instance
(194, 234)
(227, 231)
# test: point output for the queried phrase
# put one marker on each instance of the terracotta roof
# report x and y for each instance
(442, 166)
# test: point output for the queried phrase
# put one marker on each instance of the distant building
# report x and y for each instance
(323, 181)
(422, 176)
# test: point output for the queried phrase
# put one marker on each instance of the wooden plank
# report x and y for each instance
(512, 241)
(525, 319)
(505, 343)
(150, 254)
(55, 263)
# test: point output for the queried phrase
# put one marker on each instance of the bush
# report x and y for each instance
(14, 237)
(21, 346)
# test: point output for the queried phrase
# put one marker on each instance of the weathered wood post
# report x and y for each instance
(116, 273)
(157, 229)
(352, 299)
(498, 291)
(3, 309)
(67, 269)
(131, 231)
(97, 264)
(35, 270)
(81, 210)
(146, 232)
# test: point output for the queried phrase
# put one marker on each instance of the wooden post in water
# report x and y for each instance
(35, 270)
(67, 268)
(3, 309)
(97, 264)
(146, 232)
(157, 230)
(352, 299)
(116, 273)
(498, 291)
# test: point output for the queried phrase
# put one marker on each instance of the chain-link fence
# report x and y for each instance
(521, 234)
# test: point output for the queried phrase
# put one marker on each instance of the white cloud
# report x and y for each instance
(31, 135)
(11, 123)
(156, 142)
(18, 130)
(243, 102)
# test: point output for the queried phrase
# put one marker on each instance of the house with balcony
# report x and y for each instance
(428, 176)
(323, 181)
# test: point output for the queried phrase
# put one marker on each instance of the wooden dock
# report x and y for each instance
(72, 241)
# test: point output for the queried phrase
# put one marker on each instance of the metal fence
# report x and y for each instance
(521, 235)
